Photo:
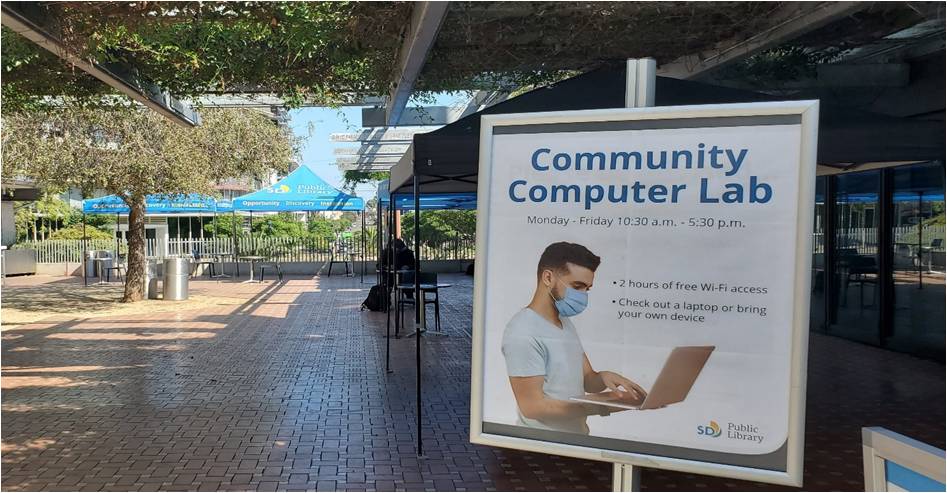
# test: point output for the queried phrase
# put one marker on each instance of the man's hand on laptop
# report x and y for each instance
(615, 397)
(625, 390)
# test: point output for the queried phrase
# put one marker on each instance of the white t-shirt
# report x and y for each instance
(534, 346)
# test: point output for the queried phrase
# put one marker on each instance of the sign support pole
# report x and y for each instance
(626, 477)
(639, 93)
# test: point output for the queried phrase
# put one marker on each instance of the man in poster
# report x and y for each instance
(545, 360)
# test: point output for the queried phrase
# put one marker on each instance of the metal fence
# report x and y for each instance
(865, 240)
(283, 249)
(448, 247)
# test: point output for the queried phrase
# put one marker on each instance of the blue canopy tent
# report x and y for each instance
(154, 204)
(406, 201)
(301, 190)
(435, 201)
(158, 204)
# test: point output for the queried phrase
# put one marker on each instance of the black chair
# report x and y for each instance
(344, 261)
(118, 265)
(272, 265)
(860, 270)
(407, 295)
(200, 260)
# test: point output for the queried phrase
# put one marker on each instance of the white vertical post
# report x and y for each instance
(639, 82)
(639, 93)
(626, 477)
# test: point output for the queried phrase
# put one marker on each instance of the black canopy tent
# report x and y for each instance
(447, 160)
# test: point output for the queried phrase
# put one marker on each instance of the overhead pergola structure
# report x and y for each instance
(379, 148)
(441, 46)
(511, 45)
(301, 191)
(30, 20)
(173, 204)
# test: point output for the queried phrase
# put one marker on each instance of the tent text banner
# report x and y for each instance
(642, 286)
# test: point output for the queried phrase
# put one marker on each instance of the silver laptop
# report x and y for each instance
(675, 381)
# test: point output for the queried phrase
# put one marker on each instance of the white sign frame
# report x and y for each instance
(808, 111)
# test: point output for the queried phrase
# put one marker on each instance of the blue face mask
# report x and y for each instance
(573, 303)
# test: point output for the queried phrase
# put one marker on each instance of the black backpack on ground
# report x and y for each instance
(376, 299)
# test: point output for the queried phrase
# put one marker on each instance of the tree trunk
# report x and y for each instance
(135, 277)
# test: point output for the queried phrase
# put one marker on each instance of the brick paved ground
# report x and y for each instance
(288, 392)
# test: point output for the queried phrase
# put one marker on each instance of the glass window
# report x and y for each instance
(817, 301)
(855, 282)
(918, 260)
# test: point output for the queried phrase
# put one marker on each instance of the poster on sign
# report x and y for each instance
(642, 286)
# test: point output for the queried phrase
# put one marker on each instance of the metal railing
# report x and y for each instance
(865, 240)
(446, 247)
(283, 249)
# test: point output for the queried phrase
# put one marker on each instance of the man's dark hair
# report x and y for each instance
(556, 256)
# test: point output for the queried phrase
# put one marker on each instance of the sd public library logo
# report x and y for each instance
(734, 431)
(711, 430)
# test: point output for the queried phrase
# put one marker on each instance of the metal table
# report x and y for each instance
(219, 259)
(425, 287)
(253, 259)
(99, 267)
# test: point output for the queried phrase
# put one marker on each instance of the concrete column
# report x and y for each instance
(8, 223)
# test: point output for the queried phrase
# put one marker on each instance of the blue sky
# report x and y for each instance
(318, 151)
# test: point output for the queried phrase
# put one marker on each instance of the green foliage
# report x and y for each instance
(370, 236)
(30, 72)
(131, 152)
(74, 232)
(774, 67)
(224, 226)
(436, 226)
(323, 52)
(326, 229)
(101, 221)
(353, 178)
(282, 225)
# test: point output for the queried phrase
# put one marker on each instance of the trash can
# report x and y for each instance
(90, 264)
(151, 279)
(177, 271)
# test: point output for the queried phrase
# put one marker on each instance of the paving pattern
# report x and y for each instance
(288, 392)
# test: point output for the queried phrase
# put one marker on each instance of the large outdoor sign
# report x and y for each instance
(642, 286)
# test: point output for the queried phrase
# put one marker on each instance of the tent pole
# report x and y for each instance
(920, 232)
(85, 278)
(362, 278)
(378, 240)
(252, 240)
(385, 270)
(236, 252)
(419, 315)
(118, 220)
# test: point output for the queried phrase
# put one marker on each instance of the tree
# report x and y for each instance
(436, 226)
(74, 232)
(282, 225)
(325, 52)
(132, 152)
(224, 226)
